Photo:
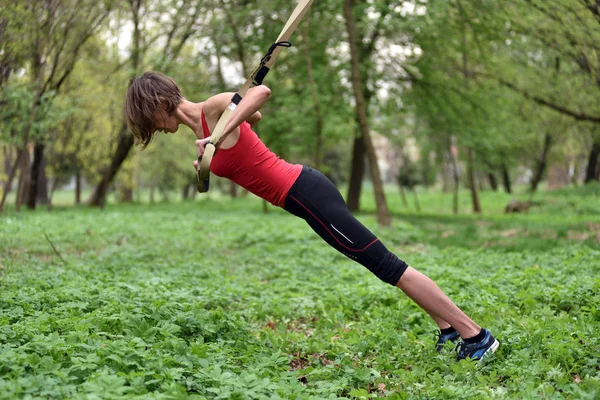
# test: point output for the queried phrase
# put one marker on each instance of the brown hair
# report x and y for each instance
(146, 95)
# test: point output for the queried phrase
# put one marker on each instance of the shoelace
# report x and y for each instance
(437, 334)
(462, 350)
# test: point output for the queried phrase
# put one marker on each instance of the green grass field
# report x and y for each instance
(212, 299)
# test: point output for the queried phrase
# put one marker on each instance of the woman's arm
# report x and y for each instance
(254, 118)
(247, 110)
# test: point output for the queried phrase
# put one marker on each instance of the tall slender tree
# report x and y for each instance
(383, 214)
(175, 23)
(60, 29)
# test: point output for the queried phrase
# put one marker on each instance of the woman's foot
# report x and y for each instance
(446, 335)
(479, 349)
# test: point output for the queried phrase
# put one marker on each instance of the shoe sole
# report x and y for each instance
(491, 350)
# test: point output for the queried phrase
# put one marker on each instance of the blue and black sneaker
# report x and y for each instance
(476, 351)
(443, 338)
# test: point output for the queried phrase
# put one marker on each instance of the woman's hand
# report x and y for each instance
(200, 145)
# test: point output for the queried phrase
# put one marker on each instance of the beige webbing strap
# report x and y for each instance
(217, 137)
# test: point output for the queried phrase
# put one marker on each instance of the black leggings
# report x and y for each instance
(315, 199)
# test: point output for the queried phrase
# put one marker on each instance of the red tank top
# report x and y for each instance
(250, 164)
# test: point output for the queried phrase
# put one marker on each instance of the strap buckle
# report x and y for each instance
(267, 56)
(263, 70)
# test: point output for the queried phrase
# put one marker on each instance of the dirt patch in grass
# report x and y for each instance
(510, 233)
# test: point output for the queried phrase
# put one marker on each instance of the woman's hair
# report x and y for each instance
(146, 95)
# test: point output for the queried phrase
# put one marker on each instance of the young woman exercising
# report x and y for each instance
(154, 103)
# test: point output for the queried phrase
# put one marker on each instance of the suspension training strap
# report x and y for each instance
(217, 137)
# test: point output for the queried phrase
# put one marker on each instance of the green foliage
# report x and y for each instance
(18, 111)
(82, 141)
(214, 300)
(496, 77)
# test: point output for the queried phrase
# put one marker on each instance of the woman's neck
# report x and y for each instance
(189, 114)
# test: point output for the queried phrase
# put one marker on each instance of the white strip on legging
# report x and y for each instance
(336, 229)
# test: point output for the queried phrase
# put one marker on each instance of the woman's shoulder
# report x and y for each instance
(215, 105)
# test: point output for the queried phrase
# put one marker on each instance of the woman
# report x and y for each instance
(154, 103)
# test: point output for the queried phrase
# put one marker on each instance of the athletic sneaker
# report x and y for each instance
(476, 351)
(441, 339)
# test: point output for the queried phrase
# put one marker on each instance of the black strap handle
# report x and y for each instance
(264, 70)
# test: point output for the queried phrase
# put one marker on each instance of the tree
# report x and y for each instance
(383, 214)
(367, 32)
(174, 23)
(592, 171)
(574, 37)
(78, 21)
(55, 32)
(314, 95)
(81, 141)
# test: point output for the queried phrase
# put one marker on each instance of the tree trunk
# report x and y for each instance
(233, 187)
(480, 181)
(456, 188)
(126, 186)
(23, 187)
(383, 214)
(472, 182)
(35, 178)
(125, 140)
(126, 193)
(42, 187)
(447, 174)
(357, 172)
(124, 145)
(455, 175)
(139, 185)
(541, 164)
(493, 181)
(52, 190)
(506, 179)
(237, 38)
(315, 98)
(470, 155)
(220, 77)
(11, 176)
(185, 192)
(164, 193)
(593, 170)
(78, 187)
(402, 194)
(7, 153)
(417, 203)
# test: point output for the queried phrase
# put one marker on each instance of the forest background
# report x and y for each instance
(437, 94)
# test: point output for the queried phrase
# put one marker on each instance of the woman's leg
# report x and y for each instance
(438, 320)
(430, 297)
(314, 198)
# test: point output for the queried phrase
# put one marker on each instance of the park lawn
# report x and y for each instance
(214, 299)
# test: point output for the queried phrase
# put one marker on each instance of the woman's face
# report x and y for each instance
(165, 122)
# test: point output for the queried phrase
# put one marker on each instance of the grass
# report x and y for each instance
(212, 299)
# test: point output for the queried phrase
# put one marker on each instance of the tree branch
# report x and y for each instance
(579, 116)
(593, 8)
(77, 48)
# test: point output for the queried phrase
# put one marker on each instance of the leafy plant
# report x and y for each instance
(210, 300)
